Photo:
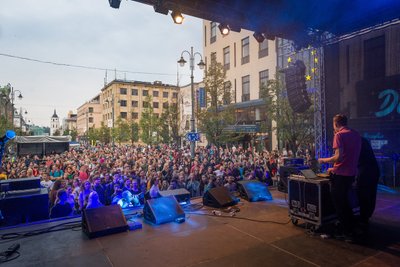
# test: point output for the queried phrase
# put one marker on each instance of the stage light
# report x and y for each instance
(114, 3)
(8, 136)
(259, 37)
(224, 28)
(160, 8)
(177, 17)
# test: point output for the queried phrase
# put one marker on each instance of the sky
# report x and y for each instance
(88, 33)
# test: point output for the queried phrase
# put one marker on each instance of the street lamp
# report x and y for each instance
(201, 65)
(20, 117)
(12, 100)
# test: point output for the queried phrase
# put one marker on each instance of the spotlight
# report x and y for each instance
(114, 3)
(259, 37)
(177, 17)
(160, 8)
(224, 28)
(9, 135)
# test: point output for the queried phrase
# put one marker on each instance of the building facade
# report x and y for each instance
(89, 115)
(248, 64)
(127, 99)
(70, 122)
(55, 124)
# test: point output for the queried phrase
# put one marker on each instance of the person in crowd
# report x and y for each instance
(193, 186)
(93, 201)
(46, 182)
(53, 193)
(154, 191)
(231, 185)
(347, 147)
(100, 190)
(367, 183)
(62, 208)
(84, 195)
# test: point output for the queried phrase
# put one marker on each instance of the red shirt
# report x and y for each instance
(350, 143)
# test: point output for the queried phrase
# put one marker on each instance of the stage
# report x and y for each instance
(209, 240)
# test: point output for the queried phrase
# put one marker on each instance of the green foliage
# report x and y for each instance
(122, 131)
(57, 133)
(214, 119)
(104, 134)
(169, 125)
(149, 124)
(294, 129)
(4, 125)
(134, 132)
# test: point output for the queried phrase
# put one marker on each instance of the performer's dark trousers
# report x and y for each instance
(367, 200)
(340, 190)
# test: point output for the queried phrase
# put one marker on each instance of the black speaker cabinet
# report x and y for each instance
(218, 197)
(162, 210)
(254, 191)
(24, 207)
(310, 200)
(285, 172)
(19, 184)
(181, 195)
(103, 221)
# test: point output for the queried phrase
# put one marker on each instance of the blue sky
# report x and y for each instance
(90, 33)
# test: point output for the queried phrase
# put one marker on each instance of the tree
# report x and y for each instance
(214, 120)
(92, 135)
(57, 133)
(104, 134)
(134, 132)
(169, 124)
(149, 124)
(122, 131)
(294, 129)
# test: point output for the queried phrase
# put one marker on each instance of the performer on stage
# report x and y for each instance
(367, 182)
(347, 146)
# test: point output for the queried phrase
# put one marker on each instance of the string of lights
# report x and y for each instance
(84, 67)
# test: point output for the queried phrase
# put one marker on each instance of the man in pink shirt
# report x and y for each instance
(347, 146)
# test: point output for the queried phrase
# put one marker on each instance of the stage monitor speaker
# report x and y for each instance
(218, 197)
(19, 184)
(24, 207)
(181, 195)
(103, 221)
(163, 210)
(254, 191)
(296, 87)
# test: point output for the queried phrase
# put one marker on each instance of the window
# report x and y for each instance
(227, 97)
(174, 95)
(123, 91)
(145, 92)
(155, 104)
(245, 88)
(90, 110)
(135, 103)
(165, 105)
(263, 75)
(263, 48)
(122, 103)
(155, 93)
(245, 50)
(145, 104)
(123, 115)
(214, 57)
(213, 32)
(134, 91)
(135, 115)
(91, 120)
(165, 94)
(374, 58)
(227, 60)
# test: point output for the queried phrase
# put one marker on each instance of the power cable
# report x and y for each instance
(84, 67)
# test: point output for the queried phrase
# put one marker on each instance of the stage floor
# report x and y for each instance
(215, 241)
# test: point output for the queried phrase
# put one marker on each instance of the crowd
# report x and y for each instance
(88, 177)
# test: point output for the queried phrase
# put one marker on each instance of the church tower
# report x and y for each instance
(54, 124)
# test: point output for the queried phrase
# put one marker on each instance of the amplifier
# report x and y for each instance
(181, 195)
(310, 200)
